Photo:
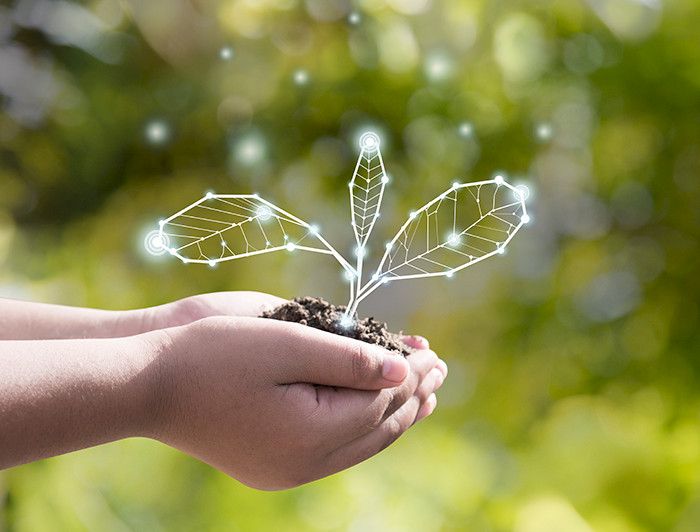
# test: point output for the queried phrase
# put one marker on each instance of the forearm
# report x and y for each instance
(58, 396)
(23, 320)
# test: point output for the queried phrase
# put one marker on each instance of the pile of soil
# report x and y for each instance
(318, 313)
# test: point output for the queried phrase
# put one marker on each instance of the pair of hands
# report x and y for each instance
(273, 404)
(277, 404)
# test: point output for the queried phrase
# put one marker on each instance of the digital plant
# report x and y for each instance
(459, 228)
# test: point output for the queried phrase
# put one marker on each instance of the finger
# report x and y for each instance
(313, 356)
(427, 408)
(416, 342)
(348, 414)
(373, 442)
(253, 304)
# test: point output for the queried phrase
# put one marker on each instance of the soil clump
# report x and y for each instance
(318, 313)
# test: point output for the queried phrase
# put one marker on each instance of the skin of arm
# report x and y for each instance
(236, 392)
(25, 320)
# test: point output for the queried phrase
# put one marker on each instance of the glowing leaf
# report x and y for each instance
(464, 225)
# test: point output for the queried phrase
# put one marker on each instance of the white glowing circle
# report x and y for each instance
(263, 212)
(522, 191)
(544, 132)
(450, 273)
(389, 245)
(209, 195)
(301, 77)
(412, 214)
(157, 132)
(354, 18)
(349, 276)
(453, 239)
(212, 263)
(346, 322)
(250, 150)
(525, 219)
(385, 178)
(226, 53)
(314, 229)
(291, 247)
(360, 251)
(369, 141)
(161, 222)
(501, 250)
(498, 179)
(466, 129)
(375, 277)
(156, 243)
(438, 67)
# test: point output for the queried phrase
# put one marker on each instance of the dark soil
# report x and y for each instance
(319, 313)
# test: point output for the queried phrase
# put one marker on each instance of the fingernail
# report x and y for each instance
(422, 341)
(395, 367)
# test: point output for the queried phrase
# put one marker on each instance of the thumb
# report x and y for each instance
(318, 357)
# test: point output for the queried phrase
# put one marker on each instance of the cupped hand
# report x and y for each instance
(276, 404)
(193, 308)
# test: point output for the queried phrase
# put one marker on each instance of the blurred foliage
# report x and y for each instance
(572, 402)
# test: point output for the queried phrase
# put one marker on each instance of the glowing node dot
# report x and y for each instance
(161, 222)
(453, 239)
(412, 214)
(498, 179)
(501, 250)
(212, 263)
(360, 251)
(385, 178)
(525, 219)
(349, 276)
(375, 277)
(354, 18)
(369, 141)
(389, 245)
(346, 322)
(291, 247)
(226, 53)
(209, 195)
(301, 77)
(314, 229)
(263, 212)
(156, 243)
(385, 280)
(450, 273)
(522, 191)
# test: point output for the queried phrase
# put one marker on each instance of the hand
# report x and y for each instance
(193, 308)
(245, 398)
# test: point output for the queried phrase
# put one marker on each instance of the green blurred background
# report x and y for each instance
(572, 402)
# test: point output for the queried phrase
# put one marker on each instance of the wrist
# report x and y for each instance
(151, 394)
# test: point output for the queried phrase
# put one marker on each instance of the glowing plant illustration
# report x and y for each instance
(462, 226)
